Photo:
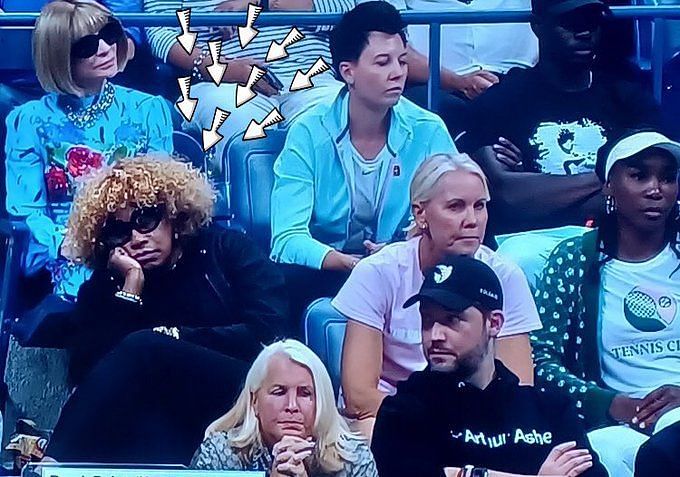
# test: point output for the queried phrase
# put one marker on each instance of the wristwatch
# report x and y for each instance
(480, 472)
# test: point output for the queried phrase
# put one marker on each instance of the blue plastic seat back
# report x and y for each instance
(324, 332)
(250, 180)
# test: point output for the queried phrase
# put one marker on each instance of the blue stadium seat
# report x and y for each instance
(249, 180)
(324, 332)
(187, 147)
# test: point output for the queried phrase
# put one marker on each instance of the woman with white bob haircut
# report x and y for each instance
(285, 422)
(383, 340)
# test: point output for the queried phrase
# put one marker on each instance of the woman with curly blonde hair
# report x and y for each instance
(142, 226)
(166, 327)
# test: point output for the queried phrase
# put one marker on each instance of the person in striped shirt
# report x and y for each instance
(301, 56)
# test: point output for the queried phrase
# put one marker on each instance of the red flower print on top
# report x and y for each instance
(81, 160)
(57, 183)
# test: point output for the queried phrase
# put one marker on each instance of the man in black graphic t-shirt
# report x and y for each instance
(467, 409)
(552, 119)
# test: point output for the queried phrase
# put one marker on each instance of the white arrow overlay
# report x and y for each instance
(277, 50)
(216, 69)
(186, 105)
(187, 39)
(211, 136)
(247, 33)
(256, 130)
(303, 81)
(245, 93)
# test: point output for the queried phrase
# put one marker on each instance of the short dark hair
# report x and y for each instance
(350, 36)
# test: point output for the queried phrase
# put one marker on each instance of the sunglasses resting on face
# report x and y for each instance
(88, 46)
(144, 220)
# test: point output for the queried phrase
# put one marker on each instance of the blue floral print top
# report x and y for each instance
(47, 154)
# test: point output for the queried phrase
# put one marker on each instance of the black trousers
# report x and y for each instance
(659, 456)
(304, 285)
(148, 401)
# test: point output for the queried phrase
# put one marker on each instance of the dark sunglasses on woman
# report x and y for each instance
(88, 45)
(144, 220)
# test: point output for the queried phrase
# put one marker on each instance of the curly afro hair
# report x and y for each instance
(141, 181)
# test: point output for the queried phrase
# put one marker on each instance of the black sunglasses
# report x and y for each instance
(117, 233)
(88, 45)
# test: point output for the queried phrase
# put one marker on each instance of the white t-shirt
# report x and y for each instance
(639, 335)
(378, 287)
(468, 48)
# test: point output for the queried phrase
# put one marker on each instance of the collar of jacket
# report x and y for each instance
(336, 121)
(437, 384)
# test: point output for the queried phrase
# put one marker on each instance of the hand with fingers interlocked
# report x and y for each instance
(289, 455)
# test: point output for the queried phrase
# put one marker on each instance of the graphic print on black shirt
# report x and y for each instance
(566, 148)
(558, 132)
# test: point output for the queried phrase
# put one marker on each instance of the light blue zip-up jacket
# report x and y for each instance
(311, 202)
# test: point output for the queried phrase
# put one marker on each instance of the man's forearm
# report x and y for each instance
(419, 71)
(538, 200)
(542, 197)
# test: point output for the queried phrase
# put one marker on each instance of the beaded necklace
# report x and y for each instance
(85, 118)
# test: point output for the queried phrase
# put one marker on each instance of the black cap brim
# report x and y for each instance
(449, 300)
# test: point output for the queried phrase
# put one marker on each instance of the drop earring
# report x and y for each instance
(610, 205)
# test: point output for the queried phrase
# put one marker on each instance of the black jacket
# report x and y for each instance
(435, 421)
(223, 293)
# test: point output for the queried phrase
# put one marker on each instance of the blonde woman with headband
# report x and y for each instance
(83, 123)
(449, 195)
(285, 422)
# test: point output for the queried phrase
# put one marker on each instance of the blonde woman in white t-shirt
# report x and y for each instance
(449, 195)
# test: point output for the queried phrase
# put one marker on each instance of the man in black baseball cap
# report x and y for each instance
(467, 412)
(553, 8)
(469, 290)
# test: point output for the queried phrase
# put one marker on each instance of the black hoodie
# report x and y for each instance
(436, 421)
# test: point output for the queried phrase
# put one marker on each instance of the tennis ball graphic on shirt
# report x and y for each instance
(649, 310)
